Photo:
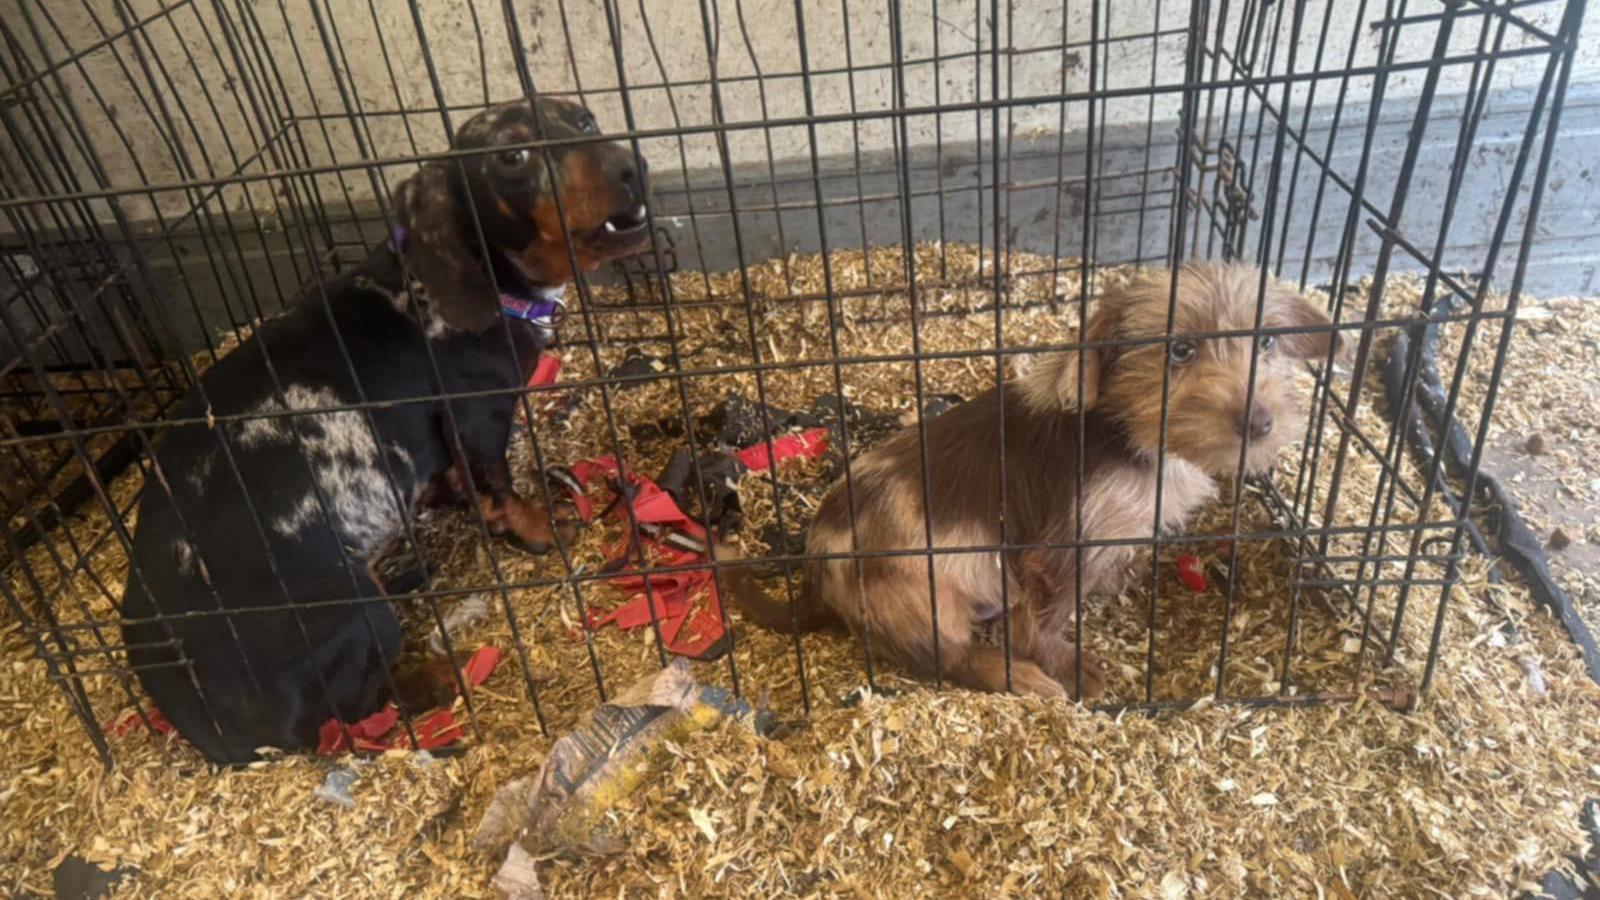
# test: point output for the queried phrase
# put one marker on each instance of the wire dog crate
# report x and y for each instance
(868, 206)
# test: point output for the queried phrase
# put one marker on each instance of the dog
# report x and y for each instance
(1119, 393)
(246, 526)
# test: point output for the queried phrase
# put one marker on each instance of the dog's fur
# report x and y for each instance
(1120, 391)
(293, 509)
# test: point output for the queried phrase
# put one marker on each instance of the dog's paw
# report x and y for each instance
(527, 525)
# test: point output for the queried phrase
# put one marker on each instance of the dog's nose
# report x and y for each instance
(1257, 424)
(633, 175)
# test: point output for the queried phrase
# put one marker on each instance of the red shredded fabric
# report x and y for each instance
(130, 721)
(545, 371)
(685, 605)
(1193, 575)
(383, 730)
(806, 445)
(376, 733)
(480, 666)
(585, 470)
(656, 506)
(584, 507)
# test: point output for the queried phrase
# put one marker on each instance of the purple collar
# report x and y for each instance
(543, 309)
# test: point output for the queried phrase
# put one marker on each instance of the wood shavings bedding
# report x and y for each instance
(965, 794)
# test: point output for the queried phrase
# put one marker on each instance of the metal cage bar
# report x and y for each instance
(173, 177)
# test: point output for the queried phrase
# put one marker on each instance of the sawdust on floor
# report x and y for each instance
(1480, 790)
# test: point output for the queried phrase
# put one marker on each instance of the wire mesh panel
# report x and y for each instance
(767, 246)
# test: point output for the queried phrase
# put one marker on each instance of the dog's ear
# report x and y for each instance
(1287, 308)
(437, 250)
(1053, 385)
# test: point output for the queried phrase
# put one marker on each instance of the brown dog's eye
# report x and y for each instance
(512, 159)
(1181, 353)
(1267, 342)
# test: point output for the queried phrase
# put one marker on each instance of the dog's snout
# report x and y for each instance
(630, 173)
(1256, 423)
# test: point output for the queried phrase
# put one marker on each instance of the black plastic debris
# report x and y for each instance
(78, 879)
(867, 427)
(569, 401)
(663, 429)
(1584, 882)
(638, 369)
(737, 422)
(719, 479)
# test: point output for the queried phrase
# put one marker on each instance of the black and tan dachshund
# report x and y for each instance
(274, 512)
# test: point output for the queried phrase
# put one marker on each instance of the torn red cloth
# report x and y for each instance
(560, 478)
(545, 371)
(655, 505)
(583, 505)
(700, 634)
(1193, 575)
(687, 606)
(480, 666)
(584, 470)
(383, 730)
(376, 733)
(651, 505)
(669, 605)
(807, 444)
(131, 721)
(690, 620)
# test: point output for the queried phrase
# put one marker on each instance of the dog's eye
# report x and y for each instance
(1267, 342)
(512, 159)
(1181, 352)
(589, 126)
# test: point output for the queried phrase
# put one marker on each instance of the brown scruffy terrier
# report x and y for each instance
(1120, 393)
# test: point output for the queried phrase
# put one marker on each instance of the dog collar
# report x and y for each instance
(543, 309)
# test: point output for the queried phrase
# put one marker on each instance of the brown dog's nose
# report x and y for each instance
(1257, 424)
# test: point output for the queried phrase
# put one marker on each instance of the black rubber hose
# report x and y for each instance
(1518, 545)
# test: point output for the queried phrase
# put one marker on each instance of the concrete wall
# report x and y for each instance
(227, 83)
(147, 96)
